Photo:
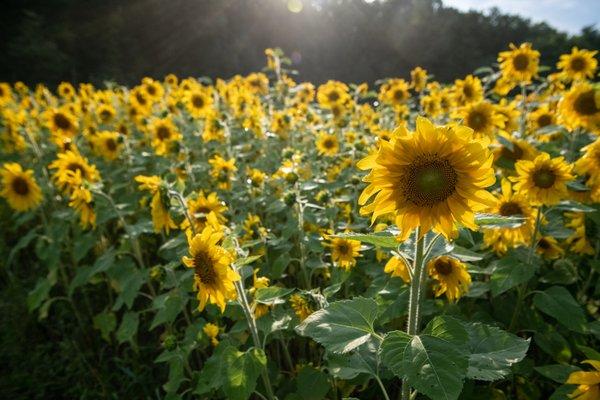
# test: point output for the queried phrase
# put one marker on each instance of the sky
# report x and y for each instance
(565, 15)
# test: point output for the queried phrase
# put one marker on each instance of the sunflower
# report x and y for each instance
(344, 252)
(305, 93)
(159, 206)
(72, 161)
(213, 276)
(468, 90)
(544, 180)
(200, 207)
(433, 179)
(578, 241)
(81, 200)
(332, 93)
(589, 165)
(164, 135)
(588, 381)
(548, 248)
(66, 90)
(301, 307)
(542, 117)
(211, 331)
(397, 267)
(510, 204)
(258, 83)
(450, 277)
(256, 177)
(328, 144)
(259, 282)
(482, 117)
(253, 228)
(152, 88)
(580, 107)
(106, 113)
(418, 78)
(394, 92)
(519, 149)
(107, 144)
(199, 101)
(511, 115)
(6, 94)
(61, 121)
(222, 171)
(519, 64)
(579, 65)
(19, 187)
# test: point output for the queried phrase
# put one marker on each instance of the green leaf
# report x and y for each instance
(241, 371)
(40, 293)
(168, 308)
(272, 295)
(343, 325)
(557, 372)
(447, 328)
(465, 255)
(570, 205)
(384, 239)
(392, 351)
(508, 273)
(105, 322)
(359, 361)
(211, 375)
(312, 384)
(492, 351)
(245, 261)
(128, 328)
(558, 303)
(498, 221)
(435, 367)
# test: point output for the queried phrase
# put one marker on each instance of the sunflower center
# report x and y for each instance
(198, 101)
(468, 91)
(544, 120)
(20, 186)
(105, 114)
(515, 154)
(429, 182)
(477, 120)
(543, 244)
(203, 266)
(510, 208)
(151, 90)
(333, 96)
(343, 249)
(578, 64)
(140, 98)
(163, 133)
(111, 144)
(328, 143)
(544, 178)
(443, 267)
(74, 166)
(398, 95)
(61, 121)
(585, 104)
(521, 62)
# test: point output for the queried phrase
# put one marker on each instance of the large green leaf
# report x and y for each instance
(128, 328)
(312, 384)
(392, 351)
(359, 361)
(435, 367)
(508, 273)
(558, 303)
(343, 325)
(492, 351)
(447, 328)
(557, 372)
(498, 221)
(105, 322)
(379, 239)
(272, 295)
(241, 371)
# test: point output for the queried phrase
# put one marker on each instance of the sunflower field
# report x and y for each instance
(258, 238)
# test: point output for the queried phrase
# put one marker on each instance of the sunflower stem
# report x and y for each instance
(522, 289)
(184, 206)
(243, 301)
(414, 312)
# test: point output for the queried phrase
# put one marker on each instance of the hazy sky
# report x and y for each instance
(566, 15)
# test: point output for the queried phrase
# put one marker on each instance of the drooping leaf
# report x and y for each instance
(380, 239)
(435, 367)
(341, 326)
(241, 371)
(492, 351)
(558, 303)
(128, 328)
(272, 295)
(499, 221)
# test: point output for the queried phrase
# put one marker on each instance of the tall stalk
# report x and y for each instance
(414, 300)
